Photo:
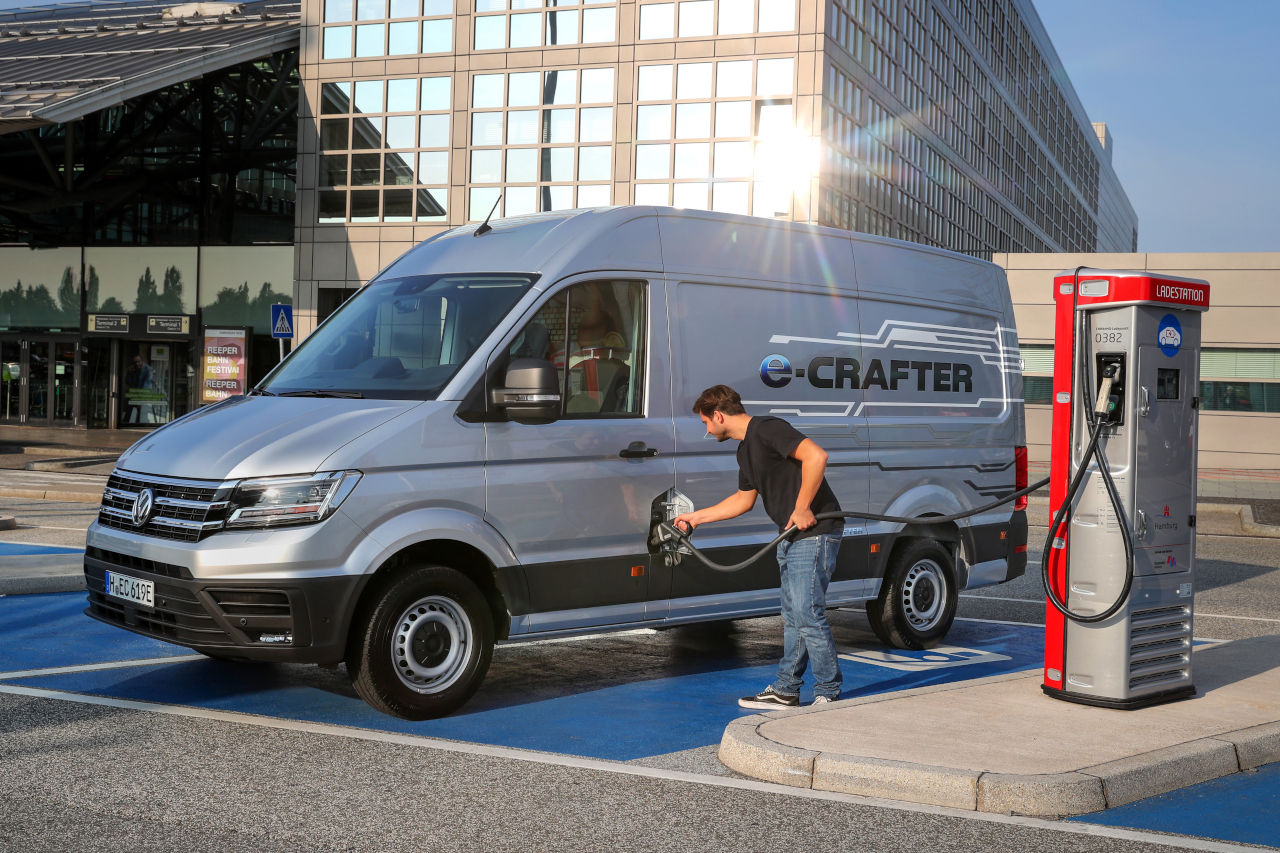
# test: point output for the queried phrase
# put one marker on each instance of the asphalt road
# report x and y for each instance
(77, 774)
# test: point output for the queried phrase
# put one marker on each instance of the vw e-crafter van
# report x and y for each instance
(477, 445)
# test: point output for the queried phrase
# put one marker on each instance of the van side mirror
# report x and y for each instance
(530, 392)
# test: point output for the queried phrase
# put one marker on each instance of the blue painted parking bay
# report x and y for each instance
(636, 719)
(18, 549)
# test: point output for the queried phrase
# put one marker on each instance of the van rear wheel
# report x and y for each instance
(424, 645)
(918, 600)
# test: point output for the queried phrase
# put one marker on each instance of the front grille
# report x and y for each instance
(251, 602)
(185, 510)
(138, 564)
(178, 615)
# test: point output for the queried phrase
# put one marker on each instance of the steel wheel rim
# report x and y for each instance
(431, 644)
(924, 595)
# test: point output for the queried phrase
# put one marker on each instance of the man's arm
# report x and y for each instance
(813, 464)
(731, 507)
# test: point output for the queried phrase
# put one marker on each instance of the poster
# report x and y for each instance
(224, 371)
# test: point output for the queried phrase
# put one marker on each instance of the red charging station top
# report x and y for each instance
(1112, 287)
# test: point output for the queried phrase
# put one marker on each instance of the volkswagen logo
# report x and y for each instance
(143, 504)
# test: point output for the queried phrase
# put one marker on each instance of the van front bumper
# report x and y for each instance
(294, 620)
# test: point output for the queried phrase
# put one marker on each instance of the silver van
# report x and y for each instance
(477, 447)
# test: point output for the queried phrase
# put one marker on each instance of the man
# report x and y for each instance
(787, 469)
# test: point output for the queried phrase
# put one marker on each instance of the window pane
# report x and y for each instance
(771, 199)
(435, 93)
(337, 43)
(653, 161)
(370, 10)
(655, 83)
(526, 4)
(397, 169)
(653, 122)
(491, 5)
(596, 125)
(562, 27)
(337, 10)
(431, 203)
(366, 132)
(433, 131)
(481, 200)
(594, 195)
(366, 170)
(774, 76)
(560, 127)
(696, 18)
(522, 165)
(733, 79)
(437, 36)
(333, 170)
(404, 8)
(659, 194)
(777, 15)
(401, 95)
(691, 195)
(522, 89)
(333, 206)
(522, 127)
(486, 128)
(733, 160)
(693, 80)
(437, 7)
(403, 38)
(733, 118)
(737, 16)
(774, 116)
(599, 25)
(433, 167)
(486, 91)
(693, 121)
(691, 159)
(369, 96)
(594, 163)
(335, 98)
(561, 198)
(491, 32)
(526, 30)
(605, 354)
(333, 134)
(371, 40)
(521, 200)
(557, 164)
(597, 86)
(400, 131)
(486, 167)
(562, 88)
(657, 21)
(397, 205)
(731, 197)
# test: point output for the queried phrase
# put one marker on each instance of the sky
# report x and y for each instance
(1190, 90)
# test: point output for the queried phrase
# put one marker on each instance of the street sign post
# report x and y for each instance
(281, 324)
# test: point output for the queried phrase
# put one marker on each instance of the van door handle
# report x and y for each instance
(638, 450)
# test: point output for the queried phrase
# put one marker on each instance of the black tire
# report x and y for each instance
(917, 602)
(423, 645)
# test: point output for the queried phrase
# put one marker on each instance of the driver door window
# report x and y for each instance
(594, 333)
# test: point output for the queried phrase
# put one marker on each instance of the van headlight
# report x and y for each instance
(274, 501)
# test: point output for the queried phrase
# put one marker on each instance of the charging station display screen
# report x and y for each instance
(1167, 383)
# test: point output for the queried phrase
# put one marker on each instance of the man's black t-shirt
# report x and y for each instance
(765, 465)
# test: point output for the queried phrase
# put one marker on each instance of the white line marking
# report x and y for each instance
(1224, 616)
(91, 667)
(999, 622)
(76, 548)
(1196, 613)
(535, 757)
(998, 598)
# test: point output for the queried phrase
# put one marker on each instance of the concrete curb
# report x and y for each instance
(64, 495)
(745, 749)
(36, 585)
(8, 522)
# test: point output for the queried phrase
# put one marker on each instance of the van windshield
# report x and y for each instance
(399, 338)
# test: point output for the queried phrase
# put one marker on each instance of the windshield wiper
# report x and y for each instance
(351, 395)
(259, 392)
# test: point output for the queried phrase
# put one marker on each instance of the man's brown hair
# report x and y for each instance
(719, 398)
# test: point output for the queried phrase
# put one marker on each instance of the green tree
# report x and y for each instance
(93, 289)
(148, 300)
(112, 306)
(68, 297)
(170, 298)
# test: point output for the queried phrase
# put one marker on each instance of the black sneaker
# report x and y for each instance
(769, 699)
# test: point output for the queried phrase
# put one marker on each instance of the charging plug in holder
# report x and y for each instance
(663, 511)
(1112, 366)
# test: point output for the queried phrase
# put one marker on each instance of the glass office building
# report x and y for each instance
(945, 122)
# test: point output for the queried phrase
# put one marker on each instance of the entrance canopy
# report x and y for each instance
(59, 63)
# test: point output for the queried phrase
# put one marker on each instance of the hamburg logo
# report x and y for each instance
(142, 506)
(1170, 335)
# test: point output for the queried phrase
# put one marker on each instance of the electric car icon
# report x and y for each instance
(478, 445)
(1170, 337)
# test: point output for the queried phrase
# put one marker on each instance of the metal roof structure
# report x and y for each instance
(61, 62)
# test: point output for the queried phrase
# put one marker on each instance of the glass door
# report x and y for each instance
(10, 380)
(39, 370)
(63, 380)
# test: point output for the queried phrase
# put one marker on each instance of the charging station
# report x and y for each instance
(1120, 562)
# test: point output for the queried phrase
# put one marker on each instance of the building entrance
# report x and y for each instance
(155, 381)
(38, 380)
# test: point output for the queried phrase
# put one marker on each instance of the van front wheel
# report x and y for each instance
(424, 646)
(917, 602)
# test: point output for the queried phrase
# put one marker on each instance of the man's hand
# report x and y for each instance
(802, 518)
(686, 521)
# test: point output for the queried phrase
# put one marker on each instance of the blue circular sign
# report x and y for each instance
(1169, 338)
(775, 370)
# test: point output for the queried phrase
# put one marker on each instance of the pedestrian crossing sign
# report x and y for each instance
(281, 321)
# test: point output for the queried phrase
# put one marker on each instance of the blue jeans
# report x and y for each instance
(806, 567)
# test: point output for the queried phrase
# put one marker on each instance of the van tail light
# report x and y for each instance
(1020, 477)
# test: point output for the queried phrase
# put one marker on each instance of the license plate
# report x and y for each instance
(130, 589)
